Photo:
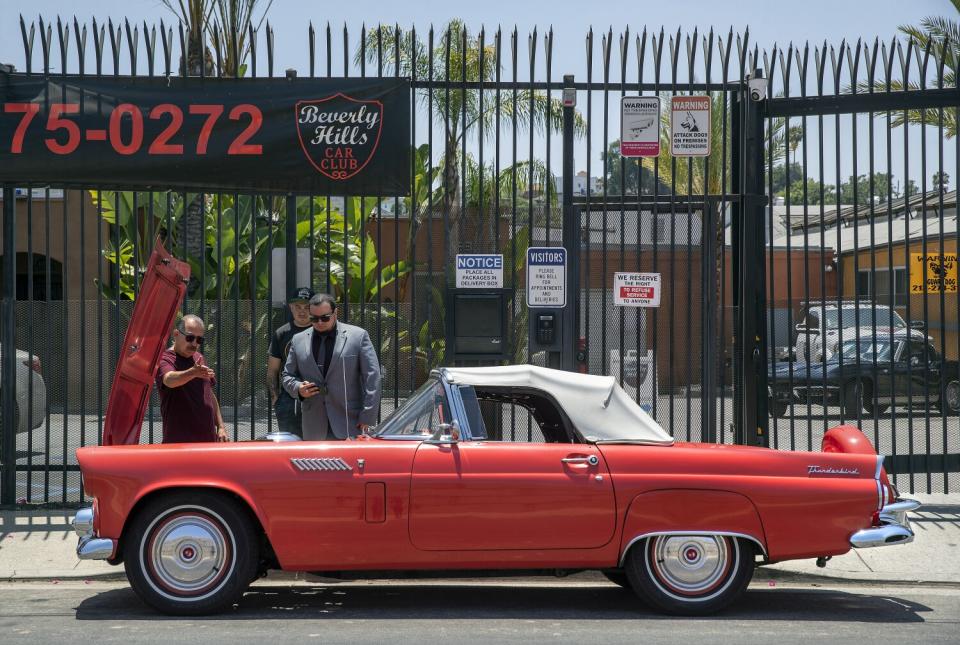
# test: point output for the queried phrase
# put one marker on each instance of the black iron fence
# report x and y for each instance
(748, 241)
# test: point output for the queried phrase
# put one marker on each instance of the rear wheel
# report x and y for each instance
(951, 398)
(856, 394)
(690, 574)
(191, 553)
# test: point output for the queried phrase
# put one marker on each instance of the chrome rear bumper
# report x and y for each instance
(894, 526)
(91, 547)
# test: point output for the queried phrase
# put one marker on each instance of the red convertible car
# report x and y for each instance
(601, 486)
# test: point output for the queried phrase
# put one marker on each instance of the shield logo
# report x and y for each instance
(339, 134)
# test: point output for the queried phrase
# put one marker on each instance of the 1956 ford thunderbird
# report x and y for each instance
(435, 488)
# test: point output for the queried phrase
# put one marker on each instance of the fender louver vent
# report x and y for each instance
(335, 463)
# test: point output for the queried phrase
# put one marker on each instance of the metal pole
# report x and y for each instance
(753, 288)
(8, 465)
(569, 328)
(736, 236)
(291, 246)
(708, 264)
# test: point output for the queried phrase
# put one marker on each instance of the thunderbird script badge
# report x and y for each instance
(339, 134)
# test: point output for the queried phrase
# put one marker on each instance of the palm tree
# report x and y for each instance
(940, 36)
(231, 19)
(459, 57)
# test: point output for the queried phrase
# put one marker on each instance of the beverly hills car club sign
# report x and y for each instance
(339, 134)
(332, 136)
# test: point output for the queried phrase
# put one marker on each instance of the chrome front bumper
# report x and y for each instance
(91, 547)
(894, 526)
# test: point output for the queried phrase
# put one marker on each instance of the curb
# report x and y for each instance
(762, 573)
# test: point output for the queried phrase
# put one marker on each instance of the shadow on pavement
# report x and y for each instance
(452, 601)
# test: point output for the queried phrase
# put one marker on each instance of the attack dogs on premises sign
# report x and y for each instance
(324, 136)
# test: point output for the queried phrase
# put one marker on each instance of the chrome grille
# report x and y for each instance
(318, 463)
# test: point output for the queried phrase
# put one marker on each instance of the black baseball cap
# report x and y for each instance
(300, 294)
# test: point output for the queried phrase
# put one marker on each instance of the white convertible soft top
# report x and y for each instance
(596, 405)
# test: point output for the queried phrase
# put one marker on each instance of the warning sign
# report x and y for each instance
(640, 126)
(636, 289)
(690, 126)
(940, 270)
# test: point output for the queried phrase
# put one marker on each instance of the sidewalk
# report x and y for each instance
(41, 545)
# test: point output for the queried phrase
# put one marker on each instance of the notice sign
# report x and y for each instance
(690, 126)
(640, 126)
(940, 270)
(546, 276)
(479, 271)
(636, 289)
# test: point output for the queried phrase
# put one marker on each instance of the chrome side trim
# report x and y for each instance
(623, 555)
(876, 474)
(91, 548)
(319, 463)
(83, 521)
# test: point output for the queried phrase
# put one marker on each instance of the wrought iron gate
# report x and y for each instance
(485, 144)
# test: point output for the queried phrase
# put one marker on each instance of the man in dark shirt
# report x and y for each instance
(188, 405)
(286, 408)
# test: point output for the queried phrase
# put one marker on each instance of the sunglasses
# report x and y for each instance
(323, 318)
(193, 338)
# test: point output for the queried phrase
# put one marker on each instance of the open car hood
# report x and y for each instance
(162, 291)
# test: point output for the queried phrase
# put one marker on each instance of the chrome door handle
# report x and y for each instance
(592, 460)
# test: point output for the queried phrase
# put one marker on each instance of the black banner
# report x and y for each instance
(339, 136)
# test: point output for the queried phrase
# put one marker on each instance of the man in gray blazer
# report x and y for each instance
(333, 372)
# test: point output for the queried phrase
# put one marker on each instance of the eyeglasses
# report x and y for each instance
(193, 338)
(323, 318)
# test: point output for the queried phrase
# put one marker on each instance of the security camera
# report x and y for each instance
(758, 88)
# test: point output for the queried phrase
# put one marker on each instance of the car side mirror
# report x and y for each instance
(918, 324)
(445, 433)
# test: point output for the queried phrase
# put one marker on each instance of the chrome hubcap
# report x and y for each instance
(690, 564)
(188, 553)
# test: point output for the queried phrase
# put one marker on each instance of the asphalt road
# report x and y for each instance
(489, 611)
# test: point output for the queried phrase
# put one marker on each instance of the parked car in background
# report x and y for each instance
(599, 485)
(28, 370)
(821, 326)
(892, 367)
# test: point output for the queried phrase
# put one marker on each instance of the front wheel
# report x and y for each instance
(691, 575)
(190, 553)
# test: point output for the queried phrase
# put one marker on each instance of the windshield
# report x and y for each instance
(420, 414)
(867, 349)
(849, 317)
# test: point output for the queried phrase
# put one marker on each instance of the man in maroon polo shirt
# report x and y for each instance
(188, 405)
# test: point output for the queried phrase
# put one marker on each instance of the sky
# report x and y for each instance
(768, 21)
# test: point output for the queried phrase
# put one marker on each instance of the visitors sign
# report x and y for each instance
(546, 276)
(636, 289)
(479, 271)
(690, 126)
(640, 126)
